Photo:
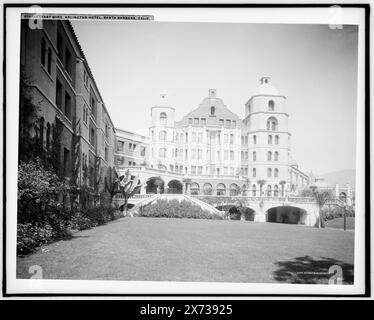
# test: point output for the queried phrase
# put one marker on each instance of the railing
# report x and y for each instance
(256, 199)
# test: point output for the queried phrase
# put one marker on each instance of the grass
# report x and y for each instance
(162, 249)
(338, 223)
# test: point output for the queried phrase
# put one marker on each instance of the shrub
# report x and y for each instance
(332, 212)
(176, 209)
(30, 237)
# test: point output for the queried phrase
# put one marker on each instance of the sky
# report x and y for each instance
(315, 67)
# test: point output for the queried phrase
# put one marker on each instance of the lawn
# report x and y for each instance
(162, 249)
(338, 223)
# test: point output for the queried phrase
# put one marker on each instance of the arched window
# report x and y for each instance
(42, 51)
(272, 124)
(269, 155)
(276, 193)
(163, 118)
(221, 189)
(48, 138)
(162, 153)
(254, 155)
(253, 190)
(276, 156)
(268, 191)
(234, 189)
(207, 189)
(270, 139)
(171, 167)
(254, 139)
(254, 172)
(212, 110)
(162, 135)
(269, 172)
(276, 139)
(49, 60)
(271, 105)
(195, 188)
(244, 189)
(276, 172)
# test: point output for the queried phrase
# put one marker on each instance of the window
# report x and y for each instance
(254, 139)
(269, 172)
(226, 155)
(269, 155)
(276, 155)
(200, 170)
(228, 123)
(142, 152)
(195, 188)
(276, 172)
(270, 139)
(106, 130)
(212, 110)
(254, 172)
(196, 120)
(253, 190)
(162, 153)
(221, 122)
(130, 146)
(93, 106)
(276, 193)
(120, 146)
(232, 155)
(106, 154)
(199, 154)
(163, 118)
(49, 60)
(190, 120)
(271, 105)
(200, 137)
(254, 155)
(186, 137)
(85, 114)
(226, 136)
(42, 51)
(232, 140)
(59, 45)
(193, 154)
(276, 139)
(162, 135)
(67, 106)
(221, 189)
(203, 121)
(92, 136)
(193, 170)
(272, 124)
(59, 94)
(234, 123)
(207, 189)
(268, 191)
(68, 61)
(186, 154)
(193, 137)
(66, 162)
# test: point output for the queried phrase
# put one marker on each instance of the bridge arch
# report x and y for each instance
(175, 186)
(286, 214)
(155, 184)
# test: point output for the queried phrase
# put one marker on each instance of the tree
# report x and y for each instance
(128, 186)
(321, 198)
(261, 182)
(282, 183)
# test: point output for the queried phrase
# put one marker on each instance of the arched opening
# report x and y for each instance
(268, 190)
(175, 186)
(162, 153)
(221, 189)
(155, 185)
(234, 189)
(163, 118)
(207, 189)
(162, 135)
(276, 191)
(286, 214)
(253, 190)
(212, 110)
(244, 190)
(272, 124)
(194, 188)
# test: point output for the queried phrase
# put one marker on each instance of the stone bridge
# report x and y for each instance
(295, 210)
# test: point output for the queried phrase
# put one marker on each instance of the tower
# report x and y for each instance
(162, 133)
(268, 139)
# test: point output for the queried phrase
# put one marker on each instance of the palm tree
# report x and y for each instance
(261, 182)
(282, 183)
(321, 198)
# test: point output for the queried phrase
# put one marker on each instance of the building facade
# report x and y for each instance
(212, 151)
(58, 80)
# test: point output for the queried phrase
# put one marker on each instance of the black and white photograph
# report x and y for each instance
(186, 150)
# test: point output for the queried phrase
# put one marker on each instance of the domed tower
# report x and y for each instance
(161, 134)
(268, 139)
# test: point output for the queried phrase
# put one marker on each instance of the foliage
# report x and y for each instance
(332, 212)
(30, 237)
(128, 185)
(175, 209)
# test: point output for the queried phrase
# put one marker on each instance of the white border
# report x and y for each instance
(229, 15)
